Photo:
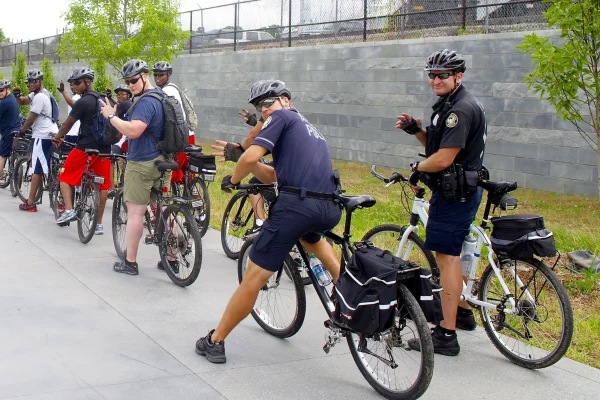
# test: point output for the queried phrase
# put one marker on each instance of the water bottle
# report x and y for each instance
(468, 254)
(319, 271)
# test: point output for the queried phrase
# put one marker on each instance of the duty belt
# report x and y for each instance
(302, 192)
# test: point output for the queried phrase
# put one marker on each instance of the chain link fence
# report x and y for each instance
(251, 24)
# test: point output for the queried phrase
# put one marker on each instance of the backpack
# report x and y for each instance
(367, 291)
(55, 110)
(188, 107)
(176, 131)
(103, 132)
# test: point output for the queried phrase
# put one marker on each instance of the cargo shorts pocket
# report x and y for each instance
(267, 233)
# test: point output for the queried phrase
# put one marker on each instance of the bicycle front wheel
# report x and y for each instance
(198, 192)
(119, 223)
(180, 245)
(537, 332)
(281, 304)
(387, 360)
(388, 237)
(87, 212)
(22, 179)
(237, 220)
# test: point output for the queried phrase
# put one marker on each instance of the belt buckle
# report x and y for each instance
(302, 193)
(276, 189)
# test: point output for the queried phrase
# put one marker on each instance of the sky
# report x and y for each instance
(46, 20)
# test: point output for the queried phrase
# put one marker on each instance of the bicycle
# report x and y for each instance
(510, 293)
(59, 155)
(378, 357)
(20, 148)
(86, 201)
(170, 226)
(193, 187)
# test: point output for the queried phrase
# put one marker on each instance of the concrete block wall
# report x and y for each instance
(352, 93)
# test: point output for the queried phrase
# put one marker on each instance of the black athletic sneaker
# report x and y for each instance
(126, 268)
(213, 351)
(443, 343)
(465, 320)
(174, 266)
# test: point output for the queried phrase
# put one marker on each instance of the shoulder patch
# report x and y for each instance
(451, 121)
(266, 123)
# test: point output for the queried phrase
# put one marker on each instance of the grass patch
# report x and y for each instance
(572, 219)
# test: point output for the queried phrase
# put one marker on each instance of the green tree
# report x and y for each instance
(568, 75)
(49, 82)
(101, 80)
(19, 72)
(2, 37)
(117, 31)
(200, 29)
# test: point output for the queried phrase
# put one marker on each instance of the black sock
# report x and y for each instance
(209, 338)
(130, 264)
(446, 331)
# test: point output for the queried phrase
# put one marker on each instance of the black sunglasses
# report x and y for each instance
(33, 81)
(265, 104)
(442, 76)
(159, 75)
(132, 81)
(76, 83)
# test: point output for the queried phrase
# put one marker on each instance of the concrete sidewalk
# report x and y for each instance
(71, 328)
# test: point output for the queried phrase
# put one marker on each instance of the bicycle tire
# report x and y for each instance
(88, 208)
(527, 314)
(269, 297)
(302, 270)
(22, 182)
(186, 240)
(201, 213)
(408, 309)
(233, 230)
(119, 223)
(424, 258)
(12, 163)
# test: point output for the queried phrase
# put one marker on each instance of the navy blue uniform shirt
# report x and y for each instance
(300, 152)
(9, 115)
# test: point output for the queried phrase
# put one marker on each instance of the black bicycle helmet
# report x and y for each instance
(34, 74)
(81, 73)
(123, 88)
(4, 84)
(133, 67)
(446, 60)
(269, 88)
(162, 66)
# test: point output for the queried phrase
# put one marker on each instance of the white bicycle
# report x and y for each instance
(524, 307)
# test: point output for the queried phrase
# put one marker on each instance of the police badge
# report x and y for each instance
(452, 120)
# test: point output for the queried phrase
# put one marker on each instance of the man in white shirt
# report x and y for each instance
(43, 127)
(162, 71)
(71, 136)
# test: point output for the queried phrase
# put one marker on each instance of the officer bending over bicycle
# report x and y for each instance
(303, 210)
(454, 144)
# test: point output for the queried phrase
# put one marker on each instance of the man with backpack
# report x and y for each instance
(162, 71)
(42, 120)
(87, 111)
(145, 131)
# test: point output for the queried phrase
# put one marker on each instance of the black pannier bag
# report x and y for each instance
(367, 292)
(522, 236)
(204, 165)
(429, 297)
(20, 143)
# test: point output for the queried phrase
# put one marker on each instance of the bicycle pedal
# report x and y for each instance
(149, 239)
(68, 223)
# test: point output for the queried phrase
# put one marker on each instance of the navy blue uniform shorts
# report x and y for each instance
(6, 143)
(448, 223)
(292, 218)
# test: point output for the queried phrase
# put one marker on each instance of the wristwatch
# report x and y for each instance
(110, 116)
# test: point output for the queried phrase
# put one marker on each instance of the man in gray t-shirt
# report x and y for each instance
(40, 121)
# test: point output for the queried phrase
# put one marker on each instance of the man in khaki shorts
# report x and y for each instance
(144, 130)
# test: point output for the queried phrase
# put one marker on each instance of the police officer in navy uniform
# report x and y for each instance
(304, 208)
(454, 140)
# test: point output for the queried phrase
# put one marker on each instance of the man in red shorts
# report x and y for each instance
(84, 110)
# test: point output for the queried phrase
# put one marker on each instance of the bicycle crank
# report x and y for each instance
(332, 337)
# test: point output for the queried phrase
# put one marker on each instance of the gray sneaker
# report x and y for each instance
(68, 215)
(213, 351)
(126, 268)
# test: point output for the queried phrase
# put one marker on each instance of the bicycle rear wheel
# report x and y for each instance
(180, 242)
(238, 218)
(540, 331)
(22, 179)
(87, 212)
(198, 192)
(386, 360)
(388, 237)
(12, 162)
(280, 307)
(119, 222)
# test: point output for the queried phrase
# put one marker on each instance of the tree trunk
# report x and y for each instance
(598, 152)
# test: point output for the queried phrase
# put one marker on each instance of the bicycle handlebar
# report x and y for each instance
(394, 178)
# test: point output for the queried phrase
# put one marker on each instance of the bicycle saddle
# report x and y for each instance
(92, 152)
(166, 165)
(498, 187)
(192, 148)
(351, 203)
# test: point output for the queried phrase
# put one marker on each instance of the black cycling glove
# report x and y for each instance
(232, 152)
(61, 87)
(17, 92)
(415, 176)
(227, 185)
(412, 128)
